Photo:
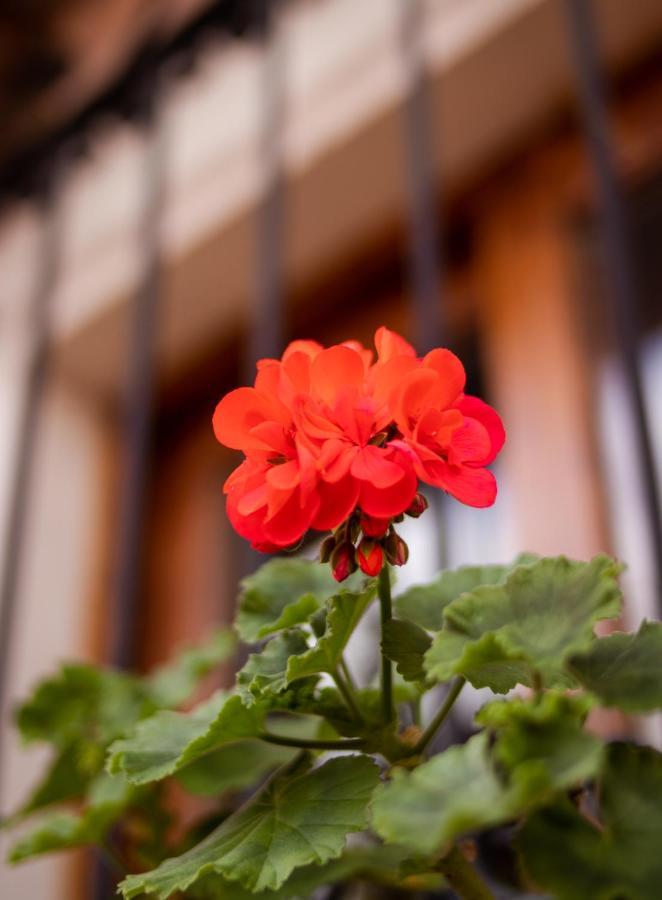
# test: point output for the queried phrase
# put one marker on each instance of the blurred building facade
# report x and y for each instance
(266, 189)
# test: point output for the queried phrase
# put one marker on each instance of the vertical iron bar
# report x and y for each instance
(618, 257)
(28, 433)
(268, 329)
(426, 262)
(138, 405)
(136, 424)
(427, 269)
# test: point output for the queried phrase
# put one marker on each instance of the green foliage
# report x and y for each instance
(624, 670)
(523, 630)
(63, 831)
(425, 604)
(174, 682)
(533, 765)
(405, 644)
(617, 857)
(265, 673)
(281, 594)
(169, 741)
(345, 612)
(299, 818)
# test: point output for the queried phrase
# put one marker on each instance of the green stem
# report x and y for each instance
(347, 675)
(384, 590)
(348, 695)
(441, 716)
(305, 744)
(463, 877)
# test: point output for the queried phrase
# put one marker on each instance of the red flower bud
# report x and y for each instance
(417, 507)
(327, 548)
(343, 561)
(397, 552)
(374, 527)
(370, 556)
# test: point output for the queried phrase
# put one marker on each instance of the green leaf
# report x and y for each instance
(173, 683)
(405, 644)
(297, 819)
(169, 741)
(233, 767)
(81, 700)
(539, 750)
(425, 604)
(381, 864)
(282, 593)
(265, 673)
(522, 630)
(541, 742)
(67, 777)
(345, 612)
(567, 855)
(63, 831)
(624, 670)
(456, 792)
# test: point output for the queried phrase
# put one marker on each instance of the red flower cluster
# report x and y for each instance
(326, 432)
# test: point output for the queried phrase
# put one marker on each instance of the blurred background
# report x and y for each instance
(187, 185)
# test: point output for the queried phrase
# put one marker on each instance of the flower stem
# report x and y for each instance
(463, 877)
(347, 675)
(441, 716)
(305, 744)
(384, 590)
(348, 695)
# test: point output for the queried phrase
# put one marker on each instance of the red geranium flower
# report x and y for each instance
(330, 432)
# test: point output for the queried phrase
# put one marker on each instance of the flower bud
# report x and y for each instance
(327, 547)
(343, 561)
(374, 527)
(397, 552)
(370, 556)
(417, 507)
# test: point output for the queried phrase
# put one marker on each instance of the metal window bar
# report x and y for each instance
(426, 262)
(138, 402)
(28, 432)
(621, 295)
(267, 327)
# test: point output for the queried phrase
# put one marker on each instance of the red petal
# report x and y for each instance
(389, 345)
(337, 502)
(284, 477)
(333, 369)
(475, 408)
(310, 348)
(384, 503)
(453, 377)
(237, 414)
(470, 444)
(292, 521)
(372, 464)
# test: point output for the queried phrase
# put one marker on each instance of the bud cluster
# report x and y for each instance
(367, 543)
